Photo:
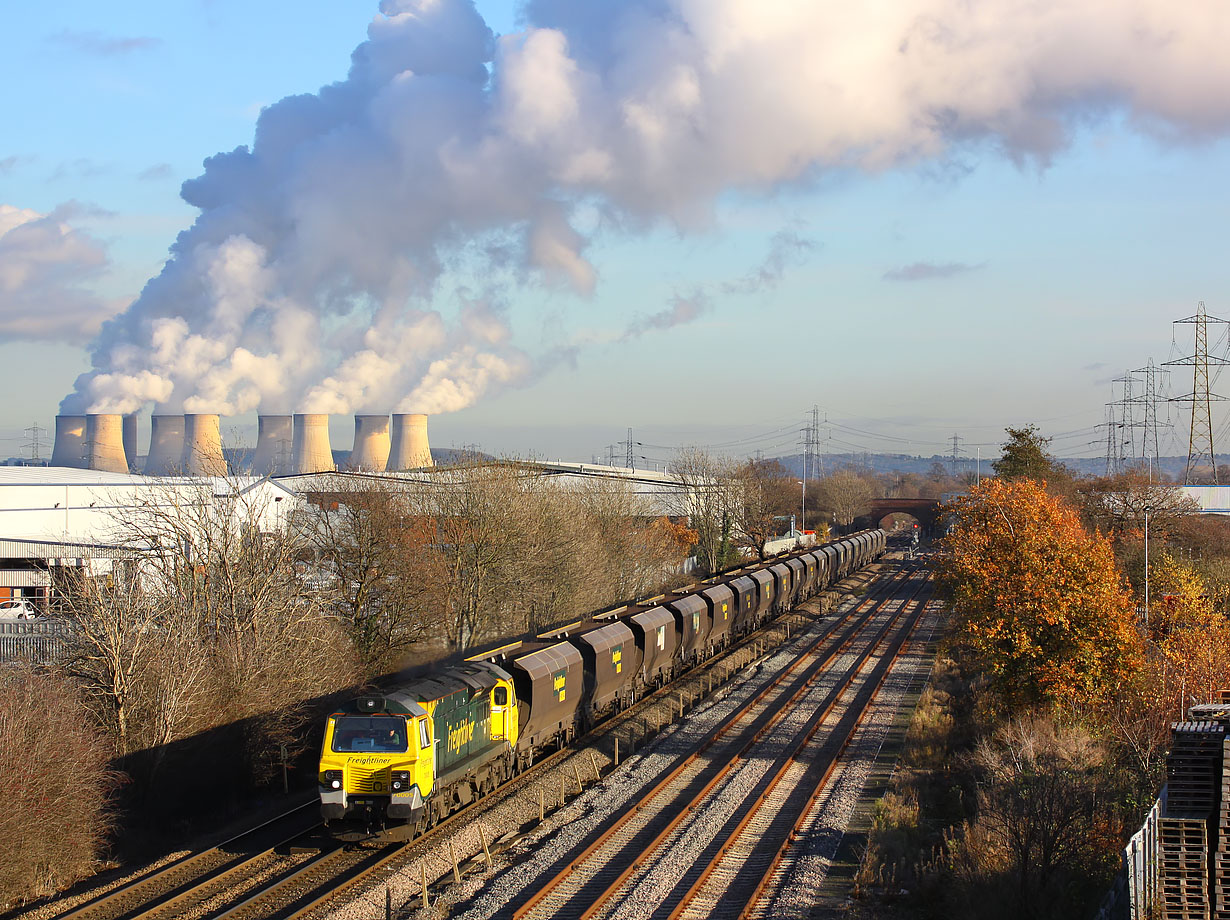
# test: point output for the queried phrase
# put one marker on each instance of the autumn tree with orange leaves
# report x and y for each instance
(1036, 599)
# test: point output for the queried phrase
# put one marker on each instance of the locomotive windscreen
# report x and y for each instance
(375, 734)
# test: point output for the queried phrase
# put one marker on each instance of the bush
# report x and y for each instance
(55, 820)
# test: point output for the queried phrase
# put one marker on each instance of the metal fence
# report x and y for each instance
(1134, 892)
(37, 641)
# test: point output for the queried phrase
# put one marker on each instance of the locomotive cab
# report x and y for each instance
(377, 761)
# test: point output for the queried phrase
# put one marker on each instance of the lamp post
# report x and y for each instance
(803, 528)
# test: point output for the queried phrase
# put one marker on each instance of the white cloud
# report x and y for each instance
(45, 269)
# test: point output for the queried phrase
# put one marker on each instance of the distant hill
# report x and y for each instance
(1173, 467)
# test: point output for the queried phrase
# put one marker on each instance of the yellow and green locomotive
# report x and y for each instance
(408, 757)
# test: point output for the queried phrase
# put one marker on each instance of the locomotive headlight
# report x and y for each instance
(399, 780)
(331, 778)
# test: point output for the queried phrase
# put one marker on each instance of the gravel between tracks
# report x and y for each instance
(792, 893)
(645, 889)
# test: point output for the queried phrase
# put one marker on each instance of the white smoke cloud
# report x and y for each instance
(349, 202)
(44, 265)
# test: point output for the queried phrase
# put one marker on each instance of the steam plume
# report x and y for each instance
(350, 202)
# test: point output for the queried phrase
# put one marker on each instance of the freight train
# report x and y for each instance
(403, 759)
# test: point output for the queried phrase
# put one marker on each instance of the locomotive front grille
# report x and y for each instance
(361, 780)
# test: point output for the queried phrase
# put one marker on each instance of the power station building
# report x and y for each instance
(64, 517)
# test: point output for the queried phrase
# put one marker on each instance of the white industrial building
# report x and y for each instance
(59, 516)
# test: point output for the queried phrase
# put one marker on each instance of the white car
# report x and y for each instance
(17, 610)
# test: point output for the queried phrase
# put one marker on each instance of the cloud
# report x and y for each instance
(103, 45)
(1096, 366)
(156, 173)
(928, 271)
(7, 164)
(44, 267)
(682, 309)
(80, 168)
(786, 248)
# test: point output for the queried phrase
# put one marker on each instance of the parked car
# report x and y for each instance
(18, 609)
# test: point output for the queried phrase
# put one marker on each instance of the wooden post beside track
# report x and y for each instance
(576, 772)
(594, 761)
(452, 855)
(423, 878)
(617, 750)
(482, 838)
(542, 804)
(388, 903)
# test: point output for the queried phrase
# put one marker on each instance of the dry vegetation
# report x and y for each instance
(55, 818)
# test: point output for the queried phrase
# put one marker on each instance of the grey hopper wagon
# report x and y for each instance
(723, 607)
(549, 680)
(612, 663)
(693, 620)
(783, 588)
(800, 580)
(766, 594)
(657, 637)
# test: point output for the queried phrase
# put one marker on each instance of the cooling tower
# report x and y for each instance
(104, 443)
(371, 443)
(166, 446)
(202, 446)
(275, 436)
(69, 449)
(410, 449)
(312, 451)
(130, 439)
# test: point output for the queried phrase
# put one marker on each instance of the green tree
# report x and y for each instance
(1025, 456)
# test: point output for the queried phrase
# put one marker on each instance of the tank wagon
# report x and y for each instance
(408, 756)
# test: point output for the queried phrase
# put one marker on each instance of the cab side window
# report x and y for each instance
(424, 734)
(500, 696)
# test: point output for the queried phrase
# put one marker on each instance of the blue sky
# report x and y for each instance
(922, 299)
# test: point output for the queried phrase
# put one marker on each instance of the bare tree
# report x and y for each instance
(633, 550)
(207, 624)
(56, 818)
(1036, 803)
(846, 495)
(705, 498)
(764, 496)
(375, 558)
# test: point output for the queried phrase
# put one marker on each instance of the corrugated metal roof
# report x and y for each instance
(23, 548)
(68, 476)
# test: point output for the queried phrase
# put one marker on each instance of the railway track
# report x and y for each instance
(269, 871)
(664, 855)
(171, 889)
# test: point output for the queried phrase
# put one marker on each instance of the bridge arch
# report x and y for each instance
(924, 510)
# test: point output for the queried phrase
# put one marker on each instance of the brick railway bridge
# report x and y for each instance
(924, 510)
